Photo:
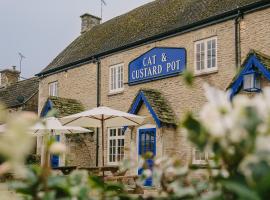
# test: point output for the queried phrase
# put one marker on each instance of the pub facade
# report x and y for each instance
(135, 63)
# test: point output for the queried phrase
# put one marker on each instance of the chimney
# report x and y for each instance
(9, 76)
(88, 22)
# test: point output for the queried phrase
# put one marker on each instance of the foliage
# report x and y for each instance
(235, 134)
(78, 185)
(33, 159)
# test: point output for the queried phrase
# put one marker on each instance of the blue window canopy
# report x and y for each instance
(251, 81)
(255, 66)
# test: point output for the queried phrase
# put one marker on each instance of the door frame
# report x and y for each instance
(146, 126)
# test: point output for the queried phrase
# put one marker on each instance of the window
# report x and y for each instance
(199, 157)
(206, 55)
(252, 82)
(116, 78)
(116, 141)
(53, 89)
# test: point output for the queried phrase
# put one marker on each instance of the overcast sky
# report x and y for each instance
(40, 29)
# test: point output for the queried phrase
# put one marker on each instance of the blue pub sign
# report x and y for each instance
(156, 64)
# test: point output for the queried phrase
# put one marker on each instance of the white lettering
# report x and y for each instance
(163, 57)
(144, 64)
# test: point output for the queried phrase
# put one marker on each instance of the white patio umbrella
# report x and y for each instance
(52, 124)
(101, 117)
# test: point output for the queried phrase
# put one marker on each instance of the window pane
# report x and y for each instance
(111, 72)
(119, 77)
(202, 56)
(116, 145)
(114, 77)
(53, 89)
(205, 54)
(122, 81)
(198, 56)
(248, 81)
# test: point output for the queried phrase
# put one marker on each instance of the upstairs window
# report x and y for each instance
(251, 82)
(53, 89)
(116, 83)
(116, 141)
(206, 55)
(199, 158)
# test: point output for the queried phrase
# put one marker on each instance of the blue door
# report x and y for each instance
(55, 158)
(147, 143)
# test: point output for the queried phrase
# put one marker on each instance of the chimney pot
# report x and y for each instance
(88, 22)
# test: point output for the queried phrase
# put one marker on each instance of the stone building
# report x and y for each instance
(135, 63)
(18, 94)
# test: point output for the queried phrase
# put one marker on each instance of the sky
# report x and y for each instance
(41, 29)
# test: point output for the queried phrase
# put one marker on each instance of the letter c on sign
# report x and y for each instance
(132, 75)
(144, 64)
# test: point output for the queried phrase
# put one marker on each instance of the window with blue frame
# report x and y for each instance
(251, 82)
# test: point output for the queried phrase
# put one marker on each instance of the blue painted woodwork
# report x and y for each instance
(147, 143)
(140, 99)
(157, 63)
(55, 158)
(252, 64)
(47, 107)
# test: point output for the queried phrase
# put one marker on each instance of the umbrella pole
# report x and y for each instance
(102, 132)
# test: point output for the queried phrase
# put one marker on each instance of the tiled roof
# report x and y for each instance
(159, 104)
(264, 59)
(19, 93)
(65, 107)
(155, 19)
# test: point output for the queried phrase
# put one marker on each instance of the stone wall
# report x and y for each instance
(78, 83)
(81, 150)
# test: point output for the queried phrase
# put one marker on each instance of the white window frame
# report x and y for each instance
(205, 59)
(199, 161)
(116, 138)
(118, 79)
(53, 89)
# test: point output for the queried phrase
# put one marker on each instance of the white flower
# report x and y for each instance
(214, 114)
(263, 144)
(217, 97)
(57, 148)
(224, 173)
(147, 173)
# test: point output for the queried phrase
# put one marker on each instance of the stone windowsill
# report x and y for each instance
(115, 93)
(205, 73)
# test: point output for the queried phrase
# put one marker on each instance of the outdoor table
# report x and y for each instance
(97, 170)
(65, 169)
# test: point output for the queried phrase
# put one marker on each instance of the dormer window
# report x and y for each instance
(252, 82)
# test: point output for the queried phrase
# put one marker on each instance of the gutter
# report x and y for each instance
(230, 15)
(98, 104)
(237, 31)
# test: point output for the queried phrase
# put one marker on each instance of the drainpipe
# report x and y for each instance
(237, 21)
(98, 104)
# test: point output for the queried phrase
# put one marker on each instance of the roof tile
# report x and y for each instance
(142, 23)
